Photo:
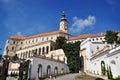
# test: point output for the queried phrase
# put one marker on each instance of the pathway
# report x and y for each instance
(66, 77)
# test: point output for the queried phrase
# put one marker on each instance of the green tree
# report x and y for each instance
(72, 53)
(111, 37)
(60, 41)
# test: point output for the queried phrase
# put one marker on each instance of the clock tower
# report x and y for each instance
(64, 23)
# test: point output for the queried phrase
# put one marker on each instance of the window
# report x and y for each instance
(21, 42)
(42, 39)
(48, 70)
(13, 42)
(43, 50)
(47, 49)
(39, 51)
(12, 48)
(56, 70)
(47, 38)
(20, 48)
(29, 41)
(93, 39)
(96, 38)
(8, 41)
(33, 41)
(100, 38)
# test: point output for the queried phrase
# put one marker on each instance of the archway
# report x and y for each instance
(56, 70)
(40, 70)
(62, 70)
(103, 70)
(82, 63)
(47, 49)
(43, 50)
(48, 70)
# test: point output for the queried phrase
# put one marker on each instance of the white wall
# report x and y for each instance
(94, 63)
(36, 61)
(108, 57)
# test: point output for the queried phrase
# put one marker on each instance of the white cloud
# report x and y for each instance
(19, 33)
(79, 24)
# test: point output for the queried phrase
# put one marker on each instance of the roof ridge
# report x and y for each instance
(36, 35)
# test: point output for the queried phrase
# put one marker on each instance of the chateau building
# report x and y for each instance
(43, 45)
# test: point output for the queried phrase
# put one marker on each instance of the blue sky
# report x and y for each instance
(28, 17)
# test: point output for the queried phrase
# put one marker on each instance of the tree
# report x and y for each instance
(72, 53)
(60, 41)
(111, 37)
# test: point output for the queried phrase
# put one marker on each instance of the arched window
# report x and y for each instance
(21, 55)
(56, 70)
(12, 48)
(40, 70)
(35, 51)
(32, 41)
(47, 38)
(29, 53)
(42, 39)
(43, 50)
(39, 51)
(47, 49)
(103, 69)
(13, 42)
(29, 41)
(48, 70)
(20, 48)
(21, 42)
(62, 70)
(26, 54)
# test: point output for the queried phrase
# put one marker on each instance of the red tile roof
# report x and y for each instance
(14, 69)
(84, 36)
(37, 35)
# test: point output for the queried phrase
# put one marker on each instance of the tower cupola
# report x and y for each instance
(63, 23)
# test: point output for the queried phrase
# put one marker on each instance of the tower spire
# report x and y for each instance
(63, 23)
(63, 16)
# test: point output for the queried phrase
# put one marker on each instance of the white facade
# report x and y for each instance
(98, 52)
(40, 67)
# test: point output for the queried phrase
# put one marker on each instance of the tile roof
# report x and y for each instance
(37, 35)
(48, 58)
(84, 36)
(13, 69)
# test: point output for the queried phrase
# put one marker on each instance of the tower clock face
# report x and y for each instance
(63, 25)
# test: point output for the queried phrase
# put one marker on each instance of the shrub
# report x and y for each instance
(118, 78)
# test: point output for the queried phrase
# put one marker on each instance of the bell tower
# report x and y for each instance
(64, 23)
